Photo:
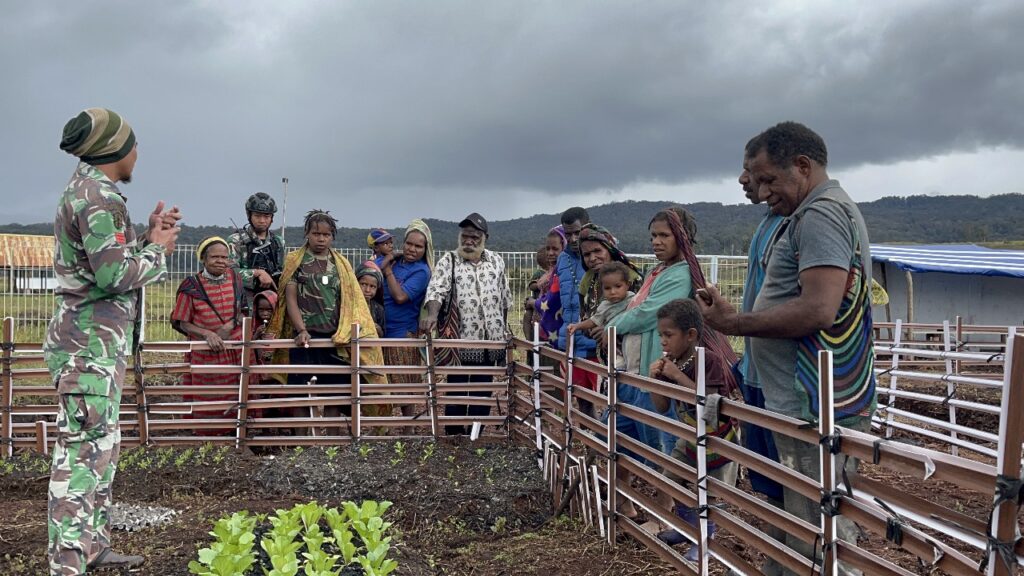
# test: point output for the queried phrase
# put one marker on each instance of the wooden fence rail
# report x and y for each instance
(581, 456)
(965, 542)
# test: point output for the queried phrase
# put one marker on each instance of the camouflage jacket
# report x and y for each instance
(100, 267)
(249, 253)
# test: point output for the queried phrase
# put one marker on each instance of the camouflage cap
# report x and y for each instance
(98, 136)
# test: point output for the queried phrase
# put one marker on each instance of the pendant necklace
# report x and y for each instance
(683, 366)
(323, 277)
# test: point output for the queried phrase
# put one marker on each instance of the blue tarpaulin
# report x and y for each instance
(952, 259)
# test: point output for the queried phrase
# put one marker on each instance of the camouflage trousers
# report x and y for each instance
(84, 462)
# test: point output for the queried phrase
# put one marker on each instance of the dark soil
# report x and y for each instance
(459, 507)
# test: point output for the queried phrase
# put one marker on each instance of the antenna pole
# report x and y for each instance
(284, 209)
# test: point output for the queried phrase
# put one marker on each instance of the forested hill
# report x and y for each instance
(722, 229)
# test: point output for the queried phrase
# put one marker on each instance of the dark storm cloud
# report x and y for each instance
(426, 101)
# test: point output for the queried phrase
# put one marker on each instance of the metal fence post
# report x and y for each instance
(139, 373)
(1000, 554)
(241, 427)
(895, 364)
(702, 465)
(570, 360)
(613, 439)
(356, 406)
(42, 441)
(827, 468)
(536, 395)
(950, 387)
(432, 386)
(6, 435)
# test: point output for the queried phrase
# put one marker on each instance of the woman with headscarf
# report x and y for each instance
(406, 276)
(677, 275)
(208, 308)
(598, 247)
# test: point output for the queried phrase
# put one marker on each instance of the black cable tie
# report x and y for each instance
(8, 347)
(1009, 489)
(815, 562)
(701, 399)
(702, 511)
(702, 440)
(832, 442)
(876, 450)
(535, 375)
(994, 356)
(960, 345)
(830, 503)
(1003, 549)
(884, 372)
(846, 478)
(893, 524)
(952, 392)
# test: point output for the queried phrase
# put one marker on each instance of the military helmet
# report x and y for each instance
(261, 202)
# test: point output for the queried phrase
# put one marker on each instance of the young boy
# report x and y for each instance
(681, 327)
(371, 282)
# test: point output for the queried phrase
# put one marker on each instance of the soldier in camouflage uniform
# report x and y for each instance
(256, 252)
(100, 267)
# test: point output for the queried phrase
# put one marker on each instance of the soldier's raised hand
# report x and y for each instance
(163, 226)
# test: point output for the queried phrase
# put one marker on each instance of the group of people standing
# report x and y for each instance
(395, 294)
(807, 290)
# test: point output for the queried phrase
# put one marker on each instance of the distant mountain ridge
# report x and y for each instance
(721, 229)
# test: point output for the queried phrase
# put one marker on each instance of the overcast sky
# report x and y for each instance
(382, 111)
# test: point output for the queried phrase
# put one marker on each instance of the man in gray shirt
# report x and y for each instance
(816, 295)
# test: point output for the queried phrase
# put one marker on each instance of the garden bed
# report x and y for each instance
(459, 507)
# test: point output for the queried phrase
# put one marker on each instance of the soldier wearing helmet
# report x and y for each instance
(256, 252)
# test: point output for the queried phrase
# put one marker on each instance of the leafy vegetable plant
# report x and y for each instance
(308, 539)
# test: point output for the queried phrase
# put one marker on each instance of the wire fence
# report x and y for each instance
(26, 293)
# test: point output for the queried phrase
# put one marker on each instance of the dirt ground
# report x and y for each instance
(460, 508)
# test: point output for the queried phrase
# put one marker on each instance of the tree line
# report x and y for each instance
(721, 229)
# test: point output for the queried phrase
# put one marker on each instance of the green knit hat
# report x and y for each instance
(98, 136)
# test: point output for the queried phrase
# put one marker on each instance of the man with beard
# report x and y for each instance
(475, 278)
(100, 268)
(256, 253)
